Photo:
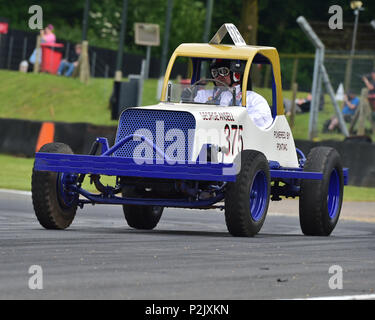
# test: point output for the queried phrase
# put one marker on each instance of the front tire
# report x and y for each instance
(247, 199)
(140, 217)
(321, 200)
(54, 207)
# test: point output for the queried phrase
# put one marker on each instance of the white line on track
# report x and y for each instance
(25, 193)
(350, 297)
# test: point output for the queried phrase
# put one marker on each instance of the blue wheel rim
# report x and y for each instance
(258, 196)
(333, 199)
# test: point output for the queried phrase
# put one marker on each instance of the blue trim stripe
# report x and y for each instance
(289, 174)
(116, 166)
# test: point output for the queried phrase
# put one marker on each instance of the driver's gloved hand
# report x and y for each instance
(187, 95)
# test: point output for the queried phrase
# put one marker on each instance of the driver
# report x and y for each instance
(256, 106)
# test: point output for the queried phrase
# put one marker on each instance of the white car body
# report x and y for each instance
(212, 123)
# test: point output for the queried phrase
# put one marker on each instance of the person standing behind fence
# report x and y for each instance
(46, 36)
(67, 66)
(370, 84)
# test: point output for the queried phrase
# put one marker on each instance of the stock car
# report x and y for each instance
(184, 154)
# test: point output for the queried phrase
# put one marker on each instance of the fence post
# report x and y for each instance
(37, 55)
(293, 107)
(363, 112)
(24, 49)
(67, 50)
(354, 121)
(84, 71)
(294, 72)
(93, 62)
(348, 74)
(10, 52)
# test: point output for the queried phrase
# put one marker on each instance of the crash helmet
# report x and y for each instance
(224, 67)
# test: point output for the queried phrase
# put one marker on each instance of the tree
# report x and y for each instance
(249, 21)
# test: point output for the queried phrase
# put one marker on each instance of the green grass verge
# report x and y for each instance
(15, 173)
(51, 98)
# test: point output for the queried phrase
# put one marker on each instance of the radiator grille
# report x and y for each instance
(174, 129)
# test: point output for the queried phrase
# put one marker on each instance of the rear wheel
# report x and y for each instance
(54, 205)
(321, 200)
(140, 217)
(247, 199)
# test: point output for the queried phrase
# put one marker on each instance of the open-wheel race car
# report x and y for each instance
(201, 153)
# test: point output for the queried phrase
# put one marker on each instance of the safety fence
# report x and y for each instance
(298, 68)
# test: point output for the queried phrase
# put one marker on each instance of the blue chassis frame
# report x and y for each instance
(164, 168)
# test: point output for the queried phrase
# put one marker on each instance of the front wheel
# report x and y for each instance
(247, 199)
(320, 200)
(54, 205)
(140, 217)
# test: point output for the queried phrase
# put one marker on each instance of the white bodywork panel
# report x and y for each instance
(232, 129)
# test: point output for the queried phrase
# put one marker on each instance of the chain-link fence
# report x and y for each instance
(299, 68)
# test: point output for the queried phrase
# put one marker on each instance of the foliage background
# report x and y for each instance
(276, 27)
(277, 19)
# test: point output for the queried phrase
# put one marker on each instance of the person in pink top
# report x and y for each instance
(47, 35)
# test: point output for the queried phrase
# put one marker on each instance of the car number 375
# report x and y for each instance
(234, 138)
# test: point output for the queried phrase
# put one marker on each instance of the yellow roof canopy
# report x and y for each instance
(219, 51)
(223, 51)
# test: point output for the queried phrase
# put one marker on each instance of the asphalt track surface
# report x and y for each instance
(190, 255)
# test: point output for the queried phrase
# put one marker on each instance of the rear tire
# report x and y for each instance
(321, 200)
(247, 199)
(54, 208)
(141, 217)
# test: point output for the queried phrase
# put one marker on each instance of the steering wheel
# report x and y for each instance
(189, 93)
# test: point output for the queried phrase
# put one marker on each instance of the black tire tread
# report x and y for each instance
(236, 207)
(44, 195)
(312, 204)
(140, 217)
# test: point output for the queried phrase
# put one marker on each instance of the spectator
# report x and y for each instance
(67, 66)
(302, 105)
(370, 84)
(46, 36)
(288, 107)
(351, 104)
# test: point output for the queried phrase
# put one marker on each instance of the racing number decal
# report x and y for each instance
(227, 132)
(240, 139)
(236, 136)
